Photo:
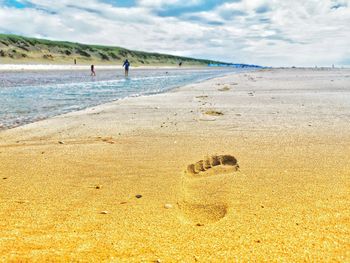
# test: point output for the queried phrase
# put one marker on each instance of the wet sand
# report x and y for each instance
(252, 166)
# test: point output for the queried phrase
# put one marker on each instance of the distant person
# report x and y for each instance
(75, 61)
(180, 64)
(93, 73)
(126, 66)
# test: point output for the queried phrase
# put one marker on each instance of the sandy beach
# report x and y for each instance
(247, 167)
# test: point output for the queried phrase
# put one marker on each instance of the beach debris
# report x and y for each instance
(138, 196)
(123, 202)
(61, 142)
(226, 88)
(4, 178)
(22, 201)
(98, 186)
(42, 152)
(108, 140)
(214, 113)
(199, 224)
(202, 97)
(168, 206)
(104, 212)
(158, 261)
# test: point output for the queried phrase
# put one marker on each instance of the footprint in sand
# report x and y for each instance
(206, 189)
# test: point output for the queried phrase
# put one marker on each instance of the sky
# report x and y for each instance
(261, 32)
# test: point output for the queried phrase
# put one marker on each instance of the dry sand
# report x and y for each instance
(266, 180)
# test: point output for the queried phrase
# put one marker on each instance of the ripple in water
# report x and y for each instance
(27, 97)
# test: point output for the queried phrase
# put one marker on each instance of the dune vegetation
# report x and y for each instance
(19, 49)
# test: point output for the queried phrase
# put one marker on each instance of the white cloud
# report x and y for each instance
(276, 32)
(163, 3)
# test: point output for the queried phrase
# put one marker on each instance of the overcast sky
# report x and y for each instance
(264, 32)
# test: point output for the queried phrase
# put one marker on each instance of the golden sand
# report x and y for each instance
(266, 181)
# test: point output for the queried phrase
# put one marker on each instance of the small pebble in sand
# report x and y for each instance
(98, 186)
(4, 178)
(61, 142)
(42, 152)
(199, 224)
(138, 196)
(158, 261)
(168, 206)
(22, 201)
(104, 212)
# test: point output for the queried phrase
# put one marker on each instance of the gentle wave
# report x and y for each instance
(27, 97)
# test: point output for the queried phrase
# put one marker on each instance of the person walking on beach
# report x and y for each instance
(126, 66)
(93, 70)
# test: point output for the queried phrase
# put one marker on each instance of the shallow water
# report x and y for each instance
(30, 96)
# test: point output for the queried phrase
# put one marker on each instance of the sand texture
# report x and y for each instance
(248, 167)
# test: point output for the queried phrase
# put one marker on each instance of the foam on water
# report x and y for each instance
(30, 96)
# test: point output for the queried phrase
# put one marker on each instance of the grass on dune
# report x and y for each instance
(19, 49)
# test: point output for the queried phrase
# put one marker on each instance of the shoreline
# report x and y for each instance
(249, 166)
(129, 96)
(63, 67)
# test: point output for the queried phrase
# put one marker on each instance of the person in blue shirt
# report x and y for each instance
(126, 66)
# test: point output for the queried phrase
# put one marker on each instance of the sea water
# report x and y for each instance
(29, 96)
